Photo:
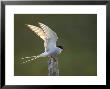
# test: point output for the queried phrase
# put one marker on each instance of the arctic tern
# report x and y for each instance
(49, 37)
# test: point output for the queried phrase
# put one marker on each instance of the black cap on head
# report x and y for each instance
(61, 47)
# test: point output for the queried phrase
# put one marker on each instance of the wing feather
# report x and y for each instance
(37, 31)
(51, 37)
(44, 32)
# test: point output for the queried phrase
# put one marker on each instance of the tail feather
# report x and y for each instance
(31, 58)
(28, 57)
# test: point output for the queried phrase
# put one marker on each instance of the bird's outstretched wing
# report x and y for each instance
(44, 32)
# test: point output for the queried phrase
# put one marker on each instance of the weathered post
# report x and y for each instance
(53, 69)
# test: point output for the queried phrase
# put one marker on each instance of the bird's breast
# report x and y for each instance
(53, 52)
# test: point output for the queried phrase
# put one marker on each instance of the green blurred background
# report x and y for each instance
(76, 32)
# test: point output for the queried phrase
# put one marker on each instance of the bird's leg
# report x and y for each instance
(54, 59)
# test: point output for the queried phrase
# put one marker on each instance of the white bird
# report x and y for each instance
(50, 38)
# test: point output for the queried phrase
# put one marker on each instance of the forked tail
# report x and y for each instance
(31, 58)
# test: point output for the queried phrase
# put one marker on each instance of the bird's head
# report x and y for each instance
(61, 48)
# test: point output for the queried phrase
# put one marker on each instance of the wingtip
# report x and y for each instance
(39, 23)
(26, 24)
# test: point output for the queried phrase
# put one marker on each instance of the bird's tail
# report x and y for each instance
(31, 58)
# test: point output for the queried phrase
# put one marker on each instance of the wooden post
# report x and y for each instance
(53, 69)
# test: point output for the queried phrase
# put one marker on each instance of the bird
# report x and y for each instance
(50, 42)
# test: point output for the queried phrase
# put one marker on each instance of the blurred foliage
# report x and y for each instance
(77, 34)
